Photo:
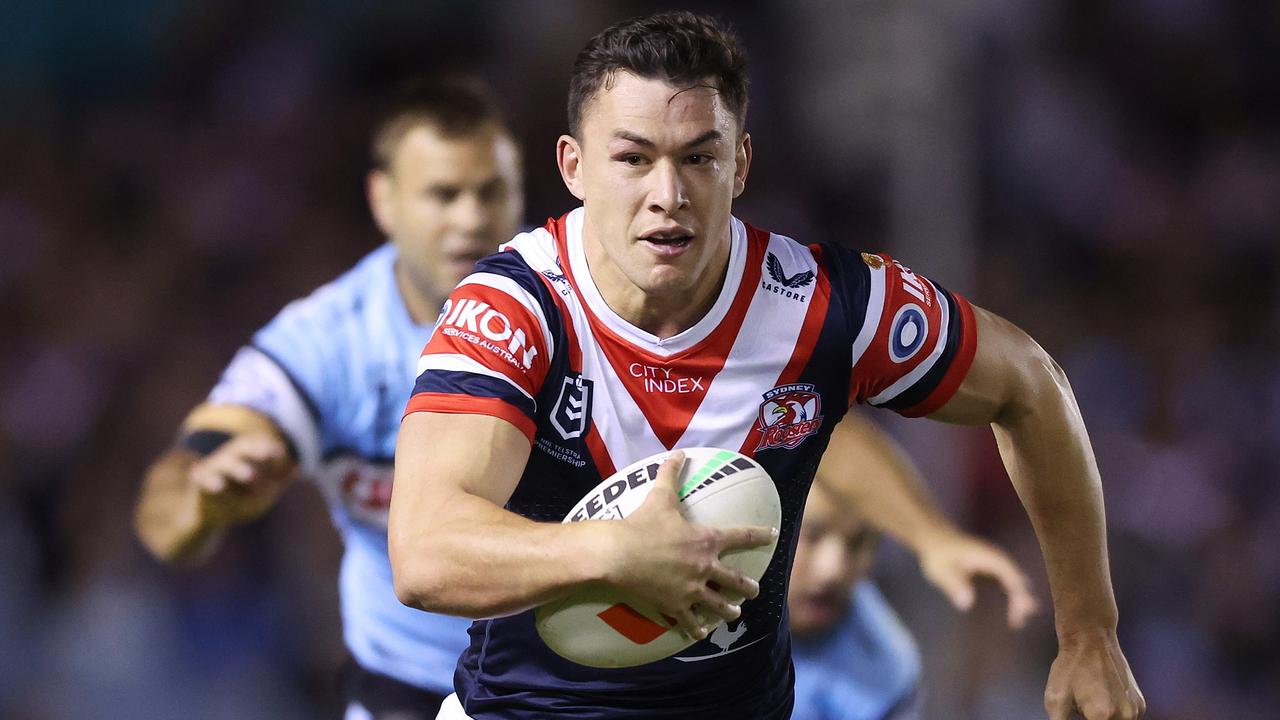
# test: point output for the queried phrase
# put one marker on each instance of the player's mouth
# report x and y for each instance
(820, 608)
(464, 261)
(667, 242)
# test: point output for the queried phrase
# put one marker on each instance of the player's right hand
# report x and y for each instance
(674, 565)
(241, 479)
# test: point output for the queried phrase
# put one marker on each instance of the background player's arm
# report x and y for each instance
(1017, 387)
(867, 471)
(455, 549)
(189, 498)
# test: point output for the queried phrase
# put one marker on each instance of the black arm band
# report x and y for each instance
(204, 442)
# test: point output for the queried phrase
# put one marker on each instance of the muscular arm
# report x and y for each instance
(188, 500)
(455, 549)
(1016, 387)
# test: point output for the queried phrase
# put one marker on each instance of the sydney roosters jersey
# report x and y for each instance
(797, 334)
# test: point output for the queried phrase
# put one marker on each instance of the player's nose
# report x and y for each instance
(830, 558)
(468, 214)
(667, 191)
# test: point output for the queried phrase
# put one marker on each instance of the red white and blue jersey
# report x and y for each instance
(797, 334)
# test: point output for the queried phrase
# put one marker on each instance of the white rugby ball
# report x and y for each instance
(597, 625)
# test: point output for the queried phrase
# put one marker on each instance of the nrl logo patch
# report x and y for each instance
(572, 414)
(875, 262)
(788, 415)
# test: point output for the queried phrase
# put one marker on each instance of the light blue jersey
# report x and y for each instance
(334, 370)
(868, 668)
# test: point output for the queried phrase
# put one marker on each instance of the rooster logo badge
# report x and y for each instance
(788, 415)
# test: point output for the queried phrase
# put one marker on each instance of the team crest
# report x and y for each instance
(875, 262)
(788, 415)
(572, 413)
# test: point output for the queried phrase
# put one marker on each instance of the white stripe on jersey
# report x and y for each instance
(517, 293)
(732, 403)
(676, 343)
(253, 379)
(919, 371)
(463, 363)
(871, 321)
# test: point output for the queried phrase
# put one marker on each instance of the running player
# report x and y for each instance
(854, 659)
(533, 387)
(321, 388)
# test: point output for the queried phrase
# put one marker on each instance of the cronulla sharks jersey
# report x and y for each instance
(867, 668)
(797, 334)
(332, 370)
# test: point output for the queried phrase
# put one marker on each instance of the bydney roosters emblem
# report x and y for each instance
(788, 415)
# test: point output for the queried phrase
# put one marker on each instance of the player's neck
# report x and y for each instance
(661, 315)
(423, 307)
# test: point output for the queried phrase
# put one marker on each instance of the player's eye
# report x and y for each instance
(444, 195)
(699, 159)
(491, 191)
(632, 159)
(811, 532)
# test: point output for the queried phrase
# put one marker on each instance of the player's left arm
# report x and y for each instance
(1015, 385)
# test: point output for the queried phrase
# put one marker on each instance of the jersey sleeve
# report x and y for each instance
(914, 340)
(288, 374)
(488, 355)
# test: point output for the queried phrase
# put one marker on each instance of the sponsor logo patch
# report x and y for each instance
(907, 334)
(662, 380)
(780, 276)
(788, 415)
(785, 285)
(480, 324)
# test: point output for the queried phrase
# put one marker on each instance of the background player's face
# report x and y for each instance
(446, 202)
(657, 167)
(834, 551)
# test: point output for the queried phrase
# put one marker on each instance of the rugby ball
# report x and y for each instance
(597, 625)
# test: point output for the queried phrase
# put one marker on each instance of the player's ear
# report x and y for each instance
(378, 190)
(569, 159)
(742, 163)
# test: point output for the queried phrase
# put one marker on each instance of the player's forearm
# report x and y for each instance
(1046, 450)
(868, 471)
(479, 560)
(167, 518)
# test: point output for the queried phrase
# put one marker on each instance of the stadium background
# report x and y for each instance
(1107, 175)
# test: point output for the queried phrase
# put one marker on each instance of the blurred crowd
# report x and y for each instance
(1106, 175)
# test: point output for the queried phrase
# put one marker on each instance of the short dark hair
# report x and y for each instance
(455, 106)
(678, 46)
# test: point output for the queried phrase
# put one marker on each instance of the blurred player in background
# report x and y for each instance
(854, 659)
(319, 391)
(533, 388)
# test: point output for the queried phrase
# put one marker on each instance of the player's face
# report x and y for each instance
(446, 202)
(657, 167)
(833, 552)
